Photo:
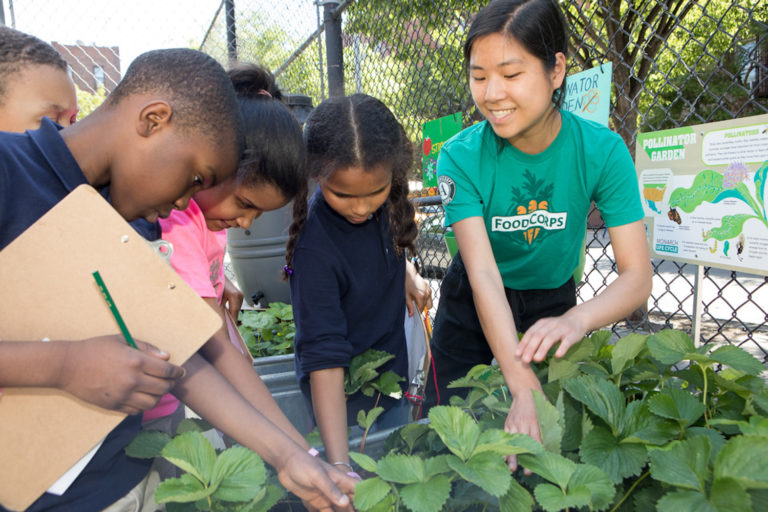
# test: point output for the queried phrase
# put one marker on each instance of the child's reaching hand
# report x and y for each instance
(105, 371)
(233, 298)
(319, 486)
(418, 293)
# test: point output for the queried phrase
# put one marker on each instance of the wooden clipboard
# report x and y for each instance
(48, 292)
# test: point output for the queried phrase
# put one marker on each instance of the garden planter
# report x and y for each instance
(279, 375)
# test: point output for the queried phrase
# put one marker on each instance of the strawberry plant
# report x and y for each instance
(651, 422)
(234, 480)
(268, 332)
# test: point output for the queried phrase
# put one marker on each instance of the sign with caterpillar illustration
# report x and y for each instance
(704, 193)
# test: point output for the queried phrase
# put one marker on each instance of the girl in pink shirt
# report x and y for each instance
(271, 173)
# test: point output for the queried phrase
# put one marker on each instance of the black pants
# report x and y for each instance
(458, 342)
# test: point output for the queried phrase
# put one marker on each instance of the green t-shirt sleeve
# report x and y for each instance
(618, 194)
(461, 199)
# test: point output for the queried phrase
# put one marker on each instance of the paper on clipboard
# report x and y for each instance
(44, 432)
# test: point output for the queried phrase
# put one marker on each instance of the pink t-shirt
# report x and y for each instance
(198, 257)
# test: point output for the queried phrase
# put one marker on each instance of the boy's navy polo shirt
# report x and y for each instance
(36, 172)
(348, 295)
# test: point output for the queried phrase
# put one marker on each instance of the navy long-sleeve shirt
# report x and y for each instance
(348, 295)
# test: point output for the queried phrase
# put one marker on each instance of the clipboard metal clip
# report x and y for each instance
(163, 248)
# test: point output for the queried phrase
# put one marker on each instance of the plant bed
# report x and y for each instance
(645, 424)
(651, 422)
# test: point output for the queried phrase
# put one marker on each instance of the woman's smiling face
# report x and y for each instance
(513, 89)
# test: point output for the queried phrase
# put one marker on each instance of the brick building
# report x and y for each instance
(92, 66)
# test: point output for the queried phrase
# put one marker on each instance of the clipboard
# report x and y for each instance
(48, 292)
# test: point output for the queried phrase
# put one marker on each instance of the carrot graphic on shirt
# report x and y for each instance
(530, 197)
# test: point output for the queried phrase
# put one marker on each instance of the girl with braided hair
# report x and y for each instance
(346, 261)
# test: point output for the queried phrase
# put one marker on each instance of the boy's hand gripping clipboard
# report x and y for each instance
(48, 292)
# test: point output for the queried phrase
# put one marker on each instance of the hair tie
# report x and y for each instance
(288, 270)
(263, 92)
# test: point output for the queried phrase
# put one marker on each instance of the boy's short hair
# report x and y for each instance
(18, 49)
(197, 88)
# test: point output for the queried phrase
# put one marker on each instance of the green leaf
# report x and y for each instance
(436, 465)
(185, 489)
(761, 399)
(759, 498)
(657, 432)
(148, 444)
(456, 429)
(744, 459)
(366, 420)
(738, 358)
(517, 499)
(193, 453)
(486, 470)
(412, 433)
(599, 339)
(619, 460)
(625, 351)
(193, 425)
(670, 346)
(716, 440)
(640, 425)
(595, 369)
(682, 463)
(239, 474)
(586, 347)
(550, 466)
(265, 500)
(562, 369)
(597, 481)
(553, 499)
(503, 443)
(573, 417)
(401, 469)
(550, 421)
(757, 426)
(726, 495)
(678, 405)
(362, 369)
(387, 385)
(645, 498)
(685, 501)
(602, 397)
(429, 496)
(364, 461)
(370, 492)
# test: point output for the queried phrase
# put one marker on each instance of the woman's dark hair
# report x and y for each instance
(538, 25)
(274, 147)
(359, 131)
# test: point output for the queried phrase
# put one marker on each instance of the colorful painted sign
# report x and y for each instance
(435, 134)
(588, 93)
(704, 192)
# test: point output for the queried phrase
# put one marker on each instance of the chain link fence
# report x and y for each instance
(675, 63)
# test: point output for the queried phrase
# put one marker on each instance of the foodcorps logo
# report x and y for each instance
(536, 219)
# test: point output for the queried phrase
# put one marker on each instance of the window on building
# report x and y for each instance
(98, 76)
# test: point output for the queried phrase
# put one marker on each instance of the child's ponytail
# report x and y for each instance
(274, 151)
(401, 211)
(299, 216)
